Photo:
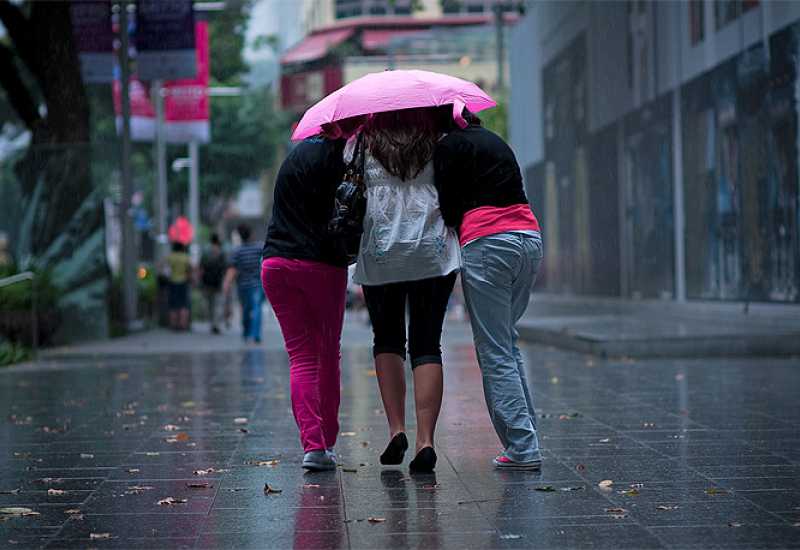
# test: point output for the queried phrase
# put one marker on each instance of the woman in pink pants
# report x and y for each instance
(305, 279)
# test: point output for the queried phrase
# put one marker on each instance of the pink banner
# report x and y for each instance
(186, 108)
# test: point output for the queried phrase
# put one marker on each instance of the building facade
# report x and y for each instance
(660, 143)
(349, 38)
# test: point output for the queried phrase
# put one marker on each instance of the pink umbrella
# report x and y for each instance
(390, 91)
(181, 231)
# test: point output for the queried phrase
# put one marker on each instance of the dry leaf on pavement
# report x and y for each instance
(716, 491)
(240, 420)
(199, 485)
(545, 489)
(665, 508)
(18, 511)
(99, 536)
(170, 501)
(270, 490)
(375, 520)
(55, 492)
(605, 484)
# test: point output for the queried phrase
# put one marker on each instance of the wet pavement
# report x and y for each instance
(163, 450)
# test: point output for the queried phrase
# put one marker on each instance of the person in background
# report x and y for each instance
(5, 258)
(212, 274)
(179, 267)
(482, 196)
(305, 278)
(245, 269)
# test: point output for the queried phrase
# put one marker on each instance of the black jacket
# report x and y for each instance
(303, 203)
(474, 167)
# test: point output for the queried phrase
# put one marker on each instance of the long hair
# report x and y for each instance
(403, 141)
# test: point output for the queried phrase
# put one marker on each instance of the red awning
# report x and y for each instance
(379, 39)
(316, 45)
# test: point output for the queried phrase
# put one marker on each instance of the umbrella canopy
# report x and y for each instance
(181, 231)
(391, 91)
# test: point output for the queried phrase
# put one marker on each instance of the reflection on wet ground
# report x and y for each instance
(174, 450)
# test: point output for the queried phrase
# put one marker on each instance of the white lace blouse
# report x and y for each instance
(405, 238)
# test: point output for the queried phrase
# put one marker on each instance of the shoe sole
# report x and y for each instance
(319, 467)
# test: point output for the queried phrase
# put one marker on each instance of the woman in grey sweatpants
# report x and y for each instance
(481, 194)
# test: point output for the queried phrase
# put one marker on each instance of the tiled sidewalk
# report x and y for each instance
(701, 453)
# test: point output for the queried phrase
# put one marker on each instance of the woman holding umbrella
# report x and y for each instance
(407, 255)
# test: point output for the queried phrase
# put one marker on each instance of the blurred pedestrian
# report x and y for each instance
(482, 195)
(178, 266)
(212, 274)
(245, 270)
(6, 262)
(407, 256)
(305, 278)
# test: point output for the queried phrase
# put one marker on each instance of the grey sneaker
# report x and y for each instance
(331, 454)
(502, 462)
(318, 461)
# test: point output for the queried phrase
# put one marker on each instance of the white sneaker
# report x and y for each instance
(318, 461)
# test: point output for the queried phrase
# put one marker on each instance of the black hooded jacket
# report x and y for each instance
(303, 203)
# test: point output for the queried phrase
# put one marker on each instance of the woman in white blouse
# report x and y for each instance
(407, 256)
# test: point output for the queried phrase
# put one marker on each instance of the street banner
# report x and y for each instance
(186, 107)
(94, 39)
(165, 39)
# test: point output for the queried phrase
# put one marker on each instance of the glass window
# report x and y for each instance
(726, 11)
(697, 21)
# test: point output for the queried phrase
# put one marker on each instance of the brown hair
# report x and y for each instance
(403, 141)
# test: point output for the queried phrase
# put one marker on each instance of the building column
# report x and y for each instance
(678, 207)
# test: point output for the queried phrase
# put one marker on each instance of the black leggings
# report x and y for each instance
(427, 305)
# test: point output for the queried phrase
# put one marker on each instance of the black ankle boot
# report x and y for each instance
(424, 462)
(395, 450)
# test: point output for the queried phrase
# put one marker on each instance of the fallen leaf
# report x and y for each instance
(510, 536)
(605, 484)
(545, 489)
(150, 453)
(649, 425)
(99, 536)
(569, 416)
(270, 490)
(133, 470)
(244, 430)
(87, 455)
(311, 486)
(636, 485)
(199, 485)
(616, 510)
(605, 440)
(630, 493)
(188, 404)
(138, 489)
(268, 463)
(666, 508)
(372, 519)
(72, 511)
(170, 501)
(365, 443)
(573, 488)
(716, 491)
(431, 487)
(56, 492)
(350, 470)
(17, 511)
(347, 434)
(734, 524)
(240, 420)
